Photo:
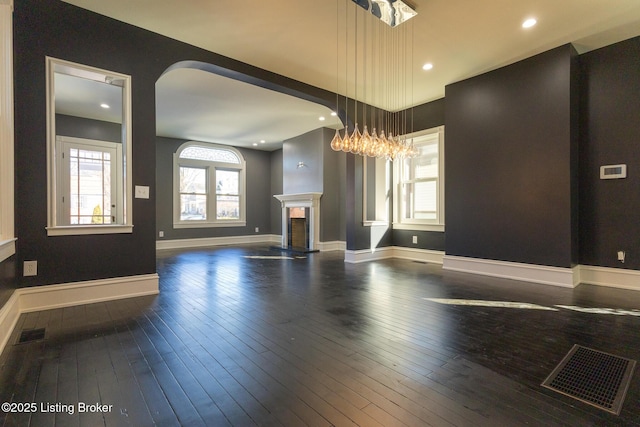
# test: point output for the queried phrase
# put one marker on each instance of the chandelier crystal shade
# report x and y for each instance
(379, 59)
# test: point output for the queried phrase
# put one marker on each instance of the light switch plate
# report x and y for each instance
(142, 191)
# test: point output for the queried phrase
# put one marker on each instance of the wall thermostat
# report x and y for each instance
(613, 171)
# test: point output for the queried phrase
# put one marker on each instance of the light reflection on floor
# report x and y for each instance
(528, 306)
(272, 257)
(614, 311)
(481, 303)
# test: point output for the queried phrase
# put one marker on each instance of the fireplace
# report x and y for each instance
(300, 220)
(298, 228)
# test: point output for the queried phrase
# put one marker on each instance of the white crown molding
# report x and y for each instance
(37, 298)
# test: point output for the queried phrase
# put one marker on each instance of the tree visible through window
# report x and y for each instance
(88, 181)
(227, 194)
(201, 169)
(193, 193)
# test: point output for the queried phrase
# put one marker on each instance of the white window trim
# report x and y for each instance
(211, 168)
(421, 225)
(53, 228)
(62, 144)
(7, 220)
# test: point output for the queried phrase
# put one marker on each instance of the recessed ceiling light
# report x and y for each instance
(333, 114)
(262, 141)
(427, 66)
(529, 23)
(321, 118)
(255, 144)
(103, 105)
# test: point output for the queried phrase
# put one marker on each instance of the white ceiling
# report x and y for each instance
(202, 106)
(299, 39)
(82, 97)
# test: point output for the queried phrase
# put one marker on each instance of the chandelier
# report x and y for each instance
(379, 58)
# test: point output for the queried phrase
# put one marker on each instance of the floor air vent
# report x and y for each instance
(30, 335)
(597, 378)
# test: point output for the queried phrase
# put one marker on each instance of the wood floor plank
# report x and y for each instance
(241, 341)
(159, 407)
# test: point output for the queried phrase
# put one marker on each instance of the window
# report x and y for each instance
(89, 181)
(210, 186)
(419, 189)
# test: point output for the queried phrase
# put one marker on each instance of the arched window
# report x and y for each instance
(209, 186)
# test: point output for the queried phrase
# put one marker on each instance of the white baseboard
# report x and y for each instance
(9, 315)
(205, 242)
(422, 255)
(366, 255)
(332, 246)
(611, 277)
(546, 275)
(48, 297)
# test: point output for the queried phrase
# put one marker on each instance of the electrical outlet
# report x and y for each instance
(257, 229)
(160, 233)
(415, 240)
(30, 268)
(621, 256)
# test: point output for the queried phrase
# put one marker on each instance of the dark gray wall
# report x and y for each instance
(609, 209)
(87, 128)
(510, 162)
(358, 236)
(433, 240)
(521, 114)
(306, 148)
(332, 204)
(324, 172)
(63, 31)
(54, 28)
(429, 115)
(258, 175)
(276, 188)
(425, 116)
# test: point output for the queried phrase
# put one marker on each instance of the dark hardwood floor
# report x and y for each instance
(240, 337)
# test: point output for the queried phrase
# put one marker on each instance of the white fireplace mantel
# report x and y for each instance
(301, 200)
